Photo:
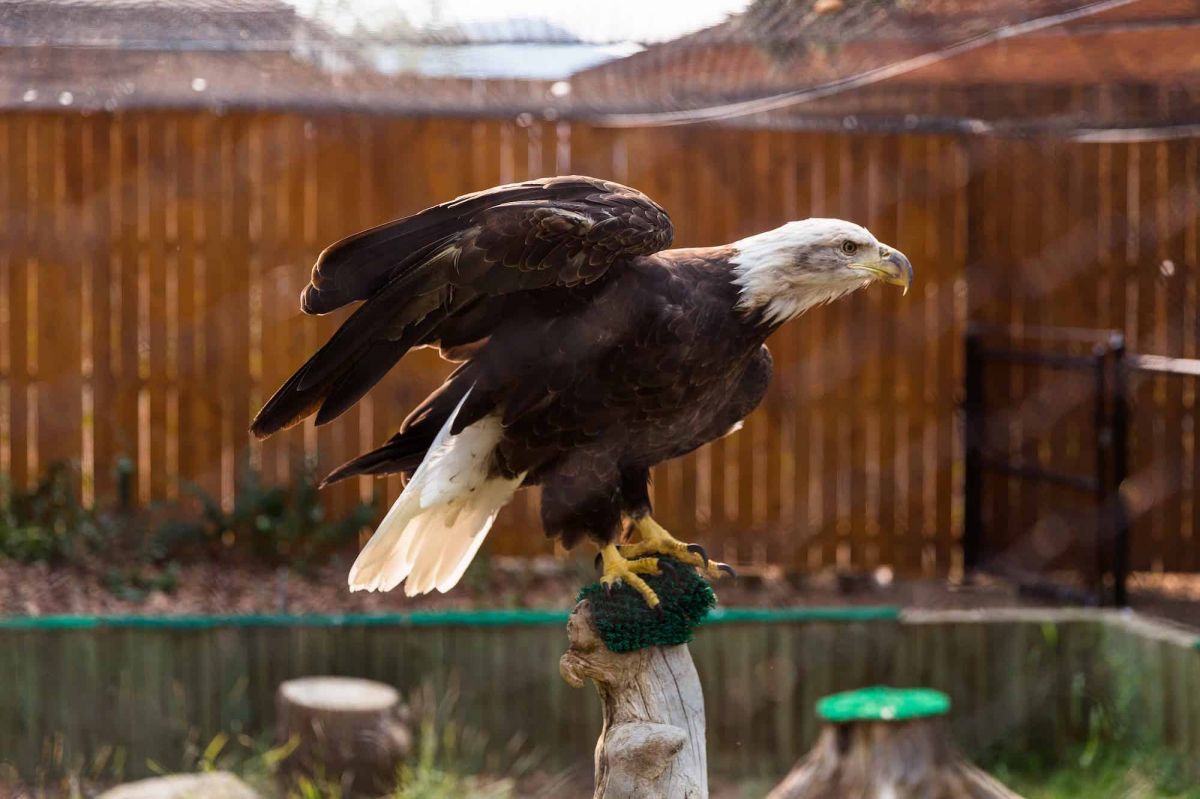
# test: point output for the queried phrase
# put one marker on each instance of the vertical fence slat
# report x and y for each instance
(8, 266)
(56, 357)
(23, 439)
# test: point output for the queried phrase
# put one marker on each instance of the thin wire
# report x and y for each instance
(1135, 135)
(910, 124)
(866, 78)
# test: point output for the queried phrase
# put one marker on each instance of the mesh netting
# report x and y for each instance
(1013, 66)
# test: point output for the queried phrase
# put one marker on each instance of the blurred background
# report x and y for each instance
(972, 479)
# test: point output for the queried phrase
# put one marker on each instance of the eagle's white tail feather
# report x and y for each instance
(437, 524)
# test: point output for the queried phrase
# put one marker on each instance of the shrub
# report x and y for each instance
(48, 523)
(273, 524)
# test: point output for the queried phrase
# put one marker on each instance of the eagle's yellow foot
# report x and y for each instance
(618, 568)
(657, 541)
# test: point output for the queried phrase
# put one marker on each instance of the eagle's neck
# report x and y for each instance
(750, 281)
(772, 286)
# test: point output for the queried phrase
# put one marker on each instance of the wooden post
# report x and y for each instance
(652, 744)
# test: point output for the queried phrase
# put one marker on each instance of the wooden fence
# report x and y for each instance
(150, 265)
(1022, 683)
(1089, 238)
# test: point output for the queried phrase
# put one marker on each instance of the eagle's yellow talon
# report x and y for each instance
(619, 569)
(657, 541)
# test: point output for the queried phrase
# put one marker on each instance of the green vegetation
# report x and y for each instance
(1109, 774)
(48, 523)
(271, 524)
(437, 771)
(433, 775)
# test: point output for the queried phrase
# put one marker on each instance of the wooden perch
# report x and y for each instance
(345, 729)
(652, 744)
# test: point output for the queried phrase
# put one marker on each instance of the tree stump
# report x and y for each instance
(348, 730)
(213, 785)
(884, 742)
(652, 743)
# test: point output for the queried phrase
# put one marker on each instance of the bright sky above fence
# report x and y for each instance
(611, 21)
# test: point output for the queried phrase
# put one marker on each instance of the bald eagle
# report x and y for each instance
(588, 352)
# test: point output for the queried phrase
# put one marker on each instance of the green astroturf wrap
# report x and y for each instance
(883, 704)
(626, 624)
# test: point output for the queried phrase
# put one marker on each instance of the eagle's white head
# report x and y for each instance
(788, 270)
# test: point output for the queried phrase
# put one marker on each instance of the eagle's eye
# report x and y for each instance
(849, 247)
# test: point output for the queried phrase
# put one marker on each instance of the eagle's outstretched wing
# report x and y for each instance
(442, 277)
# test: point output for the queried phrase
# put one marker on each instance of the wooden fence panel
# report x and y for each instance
(180, 242)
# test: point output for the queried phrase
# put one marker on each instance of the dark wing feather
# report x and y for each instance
(357, 380)
(447, 272)
(404, 451)
(356, 267)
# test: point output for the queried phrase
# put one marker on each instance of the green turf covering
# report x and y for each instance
(626, 624)
(881, 703)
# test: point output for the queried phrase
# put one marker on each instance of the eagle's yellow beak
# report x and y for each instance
(893, 268)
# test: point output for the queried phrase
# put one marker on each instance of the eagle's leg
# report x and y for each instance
(657, 541)
(618, 568)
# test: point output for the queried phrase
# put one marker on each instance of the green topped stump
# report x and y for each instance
(882, 703)
(886, 742)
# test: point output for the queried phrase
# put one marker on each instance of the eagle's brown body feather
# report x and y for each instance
(602, 354)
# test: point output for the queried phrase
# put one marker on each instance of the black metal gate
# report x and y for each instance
(1110, 369)
(1104, 579)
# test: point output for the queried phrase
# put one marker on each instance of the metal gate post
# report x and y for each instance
(1104, 535)
(1120, 470)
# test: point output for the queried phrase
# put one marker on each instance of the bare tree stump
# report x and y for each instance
(882, 742)
(652, 744)
(349, 730)
(212, 785)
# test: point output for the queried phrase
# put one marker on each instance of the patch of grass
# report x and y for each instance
(1108, 774)
(433, 775)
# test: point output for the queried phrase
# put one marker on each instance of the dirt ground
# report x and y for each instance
(222, 588)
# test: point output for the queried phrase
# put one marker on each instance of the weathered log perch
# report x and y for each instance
(883, 742)
(350, 730)
(652, 743)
